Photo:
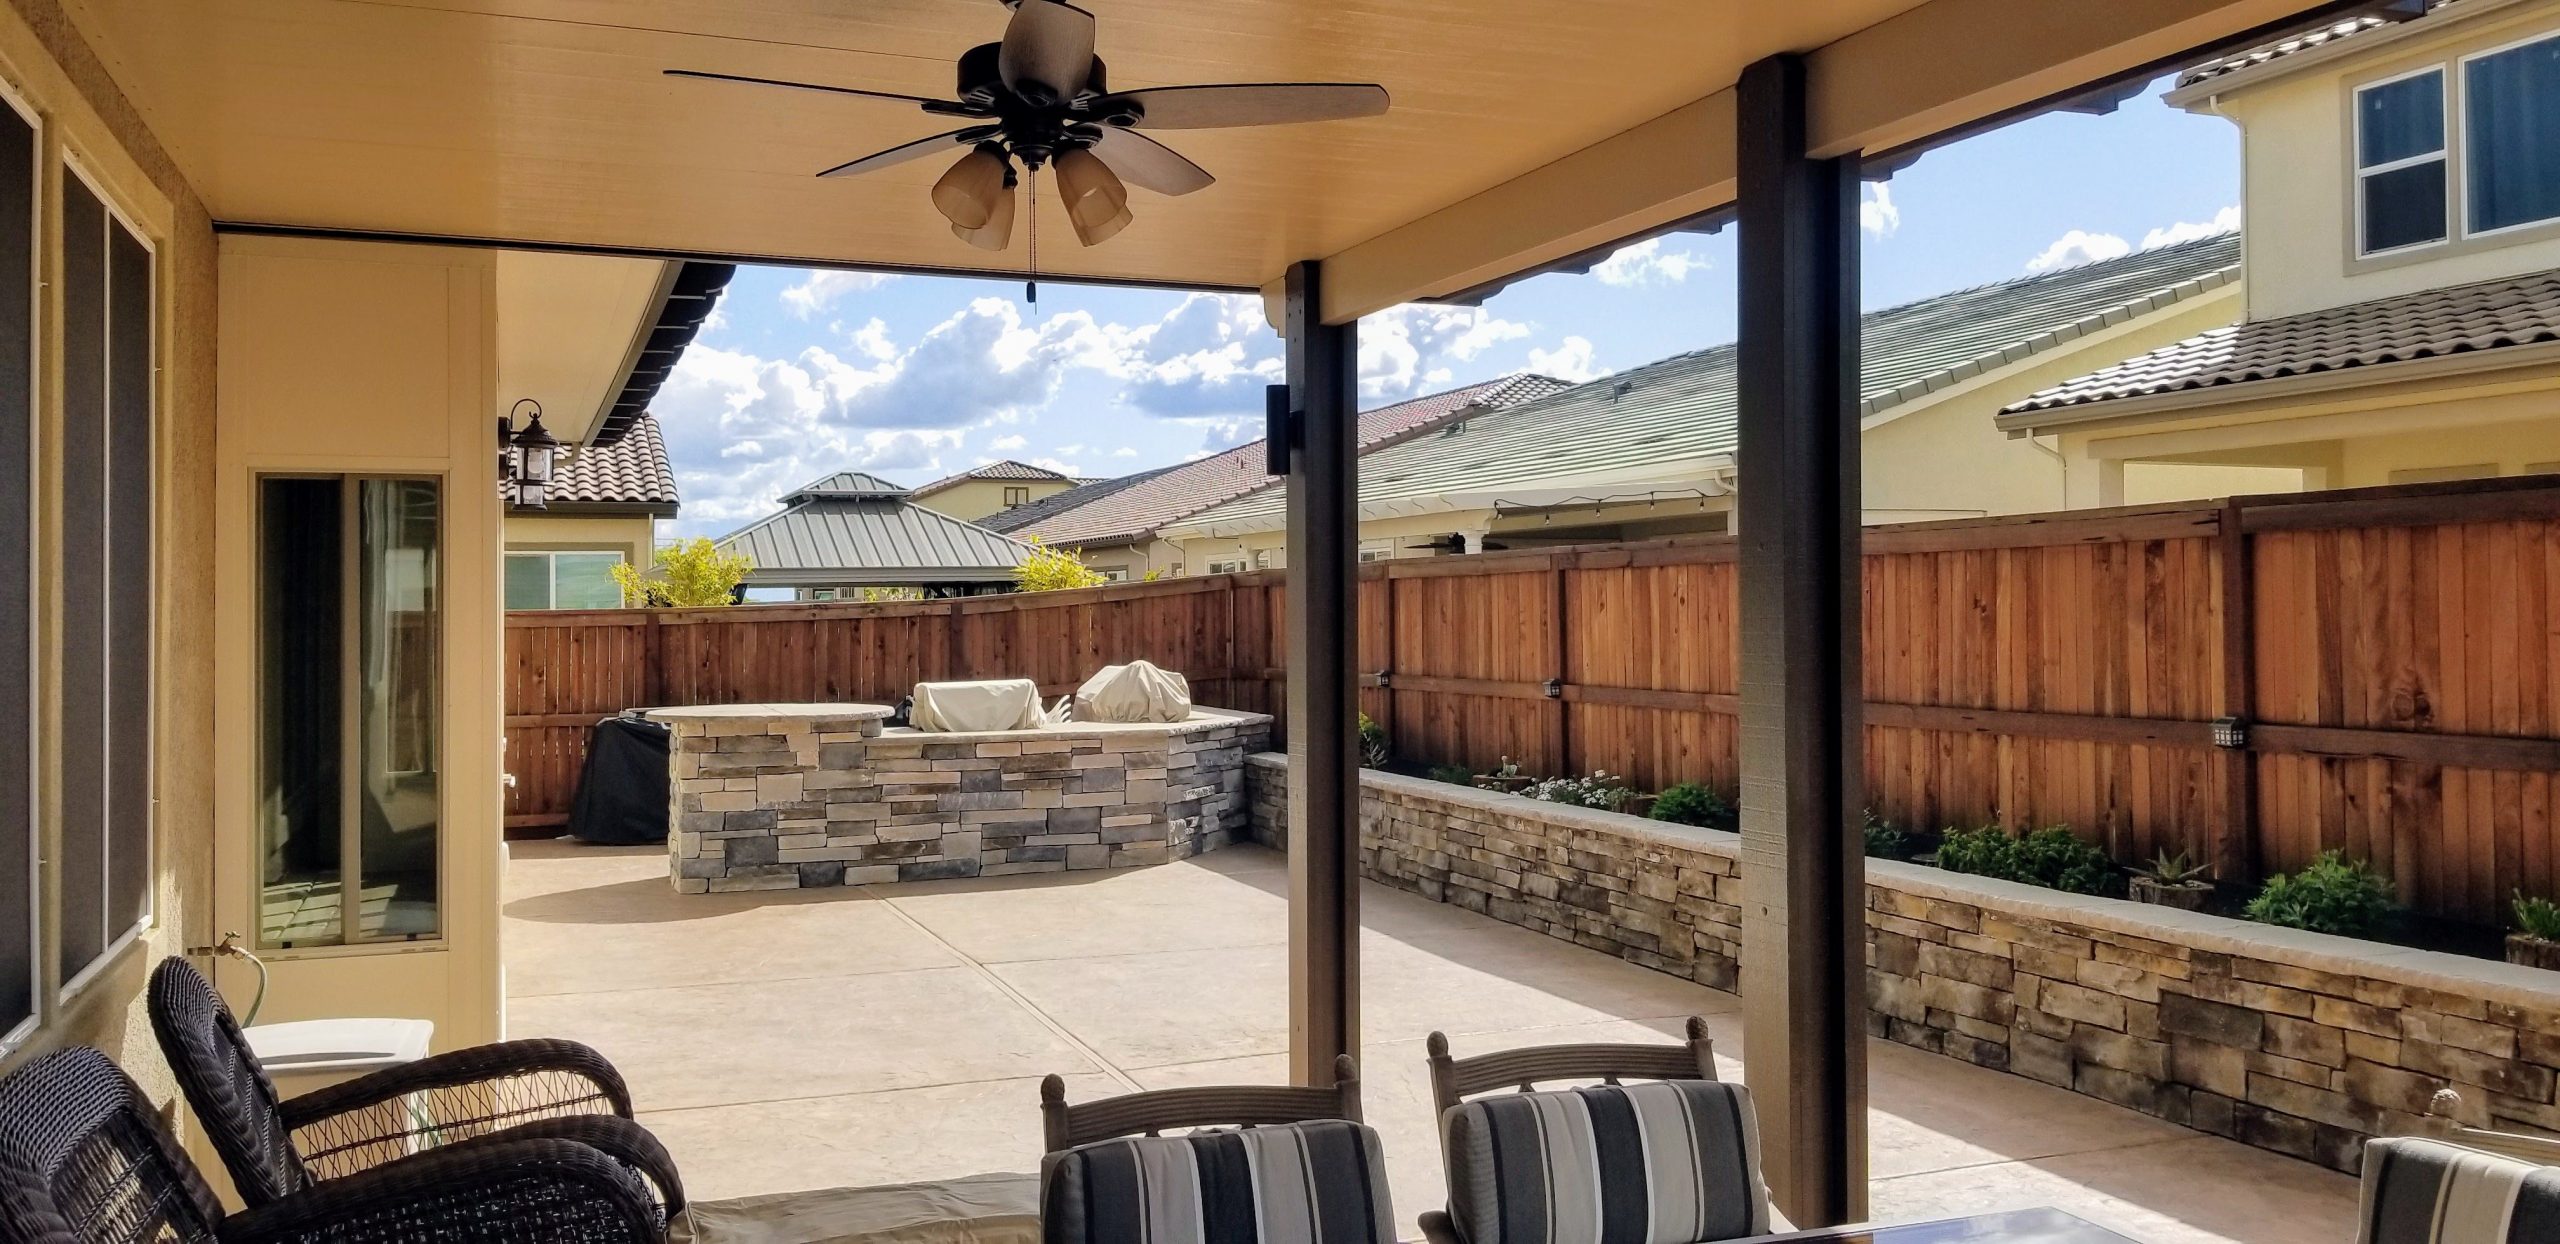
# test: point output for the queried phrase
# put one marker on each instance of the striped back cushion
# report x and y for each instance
(1320, 1182)
(2429, 1192)
(1674, 1162)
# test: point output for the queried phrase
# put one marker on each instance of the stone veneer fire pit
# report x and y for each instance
(778, 796)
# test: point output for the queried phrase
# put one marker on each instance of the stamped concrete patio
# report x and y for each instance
(813, 1038)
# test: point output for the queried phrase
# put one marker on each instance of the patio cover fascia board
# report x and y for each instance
(1718, 483)
(1864, 100)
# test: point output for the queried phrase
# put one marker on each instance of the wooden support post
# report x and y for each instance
(1324, 634)
(1803, 860)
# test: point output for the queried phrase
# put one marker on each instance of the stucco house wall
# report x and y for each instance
(974, 499)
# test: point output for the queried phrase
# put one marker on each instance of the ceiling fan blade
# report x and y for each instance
(939, 105)
(1142, 161)
(1248, 103)
(1047, 52)
(904, 152)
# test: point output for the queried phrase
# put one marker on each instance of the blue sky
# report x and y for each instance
(802, 373)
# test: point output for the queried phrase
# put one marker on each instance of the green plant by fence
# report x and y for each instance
(2391, 658)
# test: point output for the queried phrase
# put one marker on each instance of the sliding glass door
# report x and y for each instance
(350, 627)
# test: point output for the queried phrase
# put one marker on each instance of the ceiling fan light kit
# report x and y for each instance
(1041, 97)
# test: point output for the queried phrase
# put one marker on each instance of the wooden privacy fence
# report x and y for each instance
(2391, 658)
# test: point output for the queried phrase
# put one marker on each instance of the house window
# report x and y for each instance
(2511, 136)
(1262, 559)
(2400, 162)
(350, 710)
(1017, 496)
(1377, 550)
(563, 580)
(1231, 565)
(108, 482)
(1116, 574)
(822, 593)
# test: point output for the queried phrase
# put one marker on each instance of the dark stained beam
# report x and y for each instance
(1322, 430)
(1803, 857)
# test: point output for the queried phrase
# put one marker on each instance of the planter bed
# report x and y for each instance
(2298, 1042)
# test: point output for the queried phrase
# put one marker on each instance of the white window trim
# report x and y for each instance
(2458, 129)
(2443, 154)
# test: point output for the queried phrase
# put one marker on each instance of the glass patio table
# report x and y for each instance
(2025, 1226)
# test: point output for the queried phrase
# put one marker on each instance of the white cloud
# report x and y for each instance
(1646, 263)
(1059, 465)
(1573, 360)
(2223, 221)
(1401, 348)
(2078, 247)
(1007, 444)
(1068, 451)
(820, 289)
(1125, 451)
(1877, 213)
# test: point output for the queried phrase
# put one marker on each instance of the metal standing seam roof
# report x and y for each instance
(2457, 319)
(853, 528)
(631, 475)
(1682, 408)
(1152, 500)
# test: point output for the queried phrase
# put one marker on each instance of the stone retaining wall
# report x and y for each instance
(2297, 1042)
(782, 796)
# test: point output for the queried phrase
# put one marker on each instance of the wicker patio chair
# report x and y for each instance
(1261, 1163)
(85, 1160)
(1683, 1151)
(279, 1147)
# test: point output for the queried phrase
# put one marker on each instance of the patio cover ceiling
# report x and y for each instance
(1523, 131)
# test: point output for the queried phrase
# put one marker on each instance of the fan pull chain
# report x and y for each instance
(1031, 244)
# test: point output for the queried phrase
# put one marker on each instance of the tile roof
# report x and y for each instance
(2304, 41)
(853, 528)
(1151, 500)
(2458, 319)
(1658, 421)
(632, 473)
(1015, 518)
(1007, 469)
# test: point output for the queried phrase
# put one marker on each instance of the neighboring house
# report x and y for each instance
(1115, 525)
(606, 501)
(1650, 451)
(591, 340)
(838, 536)
(2403, 201)
(992, 488)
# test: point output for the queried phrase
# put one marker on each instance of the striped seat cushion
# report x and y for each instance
(2429, 1192)
(1320, 1182)
(1657, 1163)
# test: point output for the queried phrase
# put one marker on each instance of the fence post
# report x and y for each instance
(653, 656)
(1560, 726)
(2235, 849)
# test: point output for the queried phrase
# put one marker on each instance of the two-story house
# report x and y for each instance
(2402, 302)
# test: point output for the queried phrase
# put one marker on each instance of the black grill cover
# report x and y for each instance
(622, 792)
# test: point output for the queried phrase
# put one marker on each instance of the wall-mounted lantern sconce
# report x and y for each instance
(527, 469)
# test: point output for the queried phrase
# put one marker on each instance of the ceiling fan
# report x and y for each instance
(1040, 97)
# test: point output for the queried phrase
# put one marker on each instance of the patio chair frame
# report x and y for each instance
(277, 1147)
(1455, 1079)
(1151, 1113)
(85, 1159)
(2444, 1122)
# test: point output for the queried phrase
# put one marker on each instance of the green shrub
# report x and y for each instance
(2052, 857)
(1374, 751)
(1693, 803)
(2537, 917)
(2333, 895)
(1455, 775)
(1884, 840)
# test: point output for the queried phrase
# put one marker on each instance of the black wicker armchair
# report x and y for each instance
(278, 1147)
(85, 1160)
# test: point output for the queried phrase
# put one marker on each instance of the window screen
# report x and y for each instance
(107, 481)
(19, 967)
(2511, 136)
(2400, 162)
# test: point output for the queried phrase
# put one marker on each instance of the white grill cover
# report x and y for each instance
(1137, 691)
(997, 704)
